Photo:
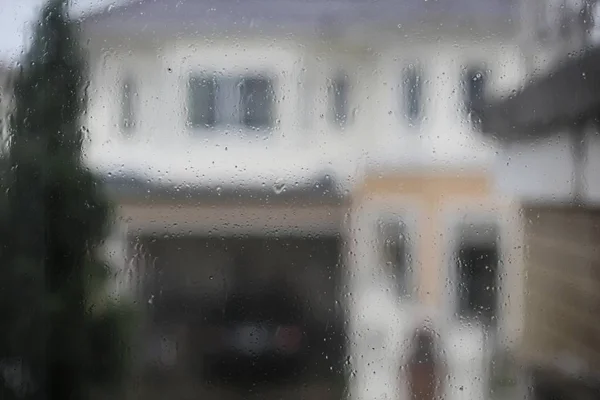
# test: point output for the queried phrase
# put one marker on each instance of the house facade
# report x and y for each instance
(335, 119)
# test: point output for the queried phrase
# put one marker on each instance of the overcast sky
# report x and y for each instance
(16, 17)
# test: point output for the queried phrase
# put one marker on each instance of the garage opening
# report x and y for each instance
(245, 309)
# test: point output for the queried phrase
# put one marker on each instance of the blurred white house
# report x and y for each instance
(344, 119)
(350, 121)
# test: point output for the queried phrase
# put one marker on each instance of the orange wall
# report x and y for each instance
(432, 191)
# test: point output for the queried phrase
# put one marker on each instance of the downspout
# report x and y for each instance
(578, 150)
(579, 136)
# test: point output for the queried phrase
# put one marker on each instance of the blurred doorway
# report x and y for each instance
(425, 373)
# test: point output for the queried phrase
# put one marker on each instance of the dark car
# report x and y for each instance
(254, 337)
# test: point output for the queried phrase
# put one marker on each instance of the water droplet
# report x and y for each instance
(279, 187)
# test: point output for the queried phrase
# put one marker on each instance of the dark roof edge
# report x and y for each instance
(324, 190)
(547, 104)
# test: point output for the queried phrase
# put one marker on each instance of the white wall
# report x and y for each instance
(162, 147)
(536, 171)
(444, 135)
(543, 171)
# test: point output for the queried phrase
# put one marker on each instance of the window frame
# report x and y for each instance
(466, 236)
(455, 233)
(228, 99)
(505, 213)
(367, 272)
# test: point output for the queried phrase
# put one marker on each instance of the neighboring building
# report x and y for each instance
(352, 122)
(5, 101)
(554, 30)
(552, 123)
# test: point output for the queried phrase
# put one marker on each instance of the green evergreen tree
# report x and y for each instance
(56, 342)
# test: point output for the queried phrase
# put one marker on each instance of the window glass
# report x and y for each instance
(338, 97)
(396, 256)
(228, 101)
(413, 93)
(475, 80)
(202, 98)
(256, 102)
(128, 104)
(477, 278)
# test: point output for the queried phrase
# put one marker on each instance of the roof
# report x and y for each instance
(568, 95)
(131, 188)
(205, 15)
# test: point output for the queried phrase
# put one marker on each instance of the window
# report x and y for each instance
(477, 278)
(128, 92)
(475, 80)
(412, 93)
(338, 97)
(396, 256)
(202, 98)
(256, 102)
(228, 101)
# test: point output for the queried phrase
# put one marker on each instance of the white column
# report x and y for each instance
(116, 255)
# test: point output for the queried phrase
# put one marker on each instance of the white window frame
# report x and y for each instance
(505, 215)
(365, 266)
(467, 233)
(410, 250)
(217, 132)
(377, 317)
